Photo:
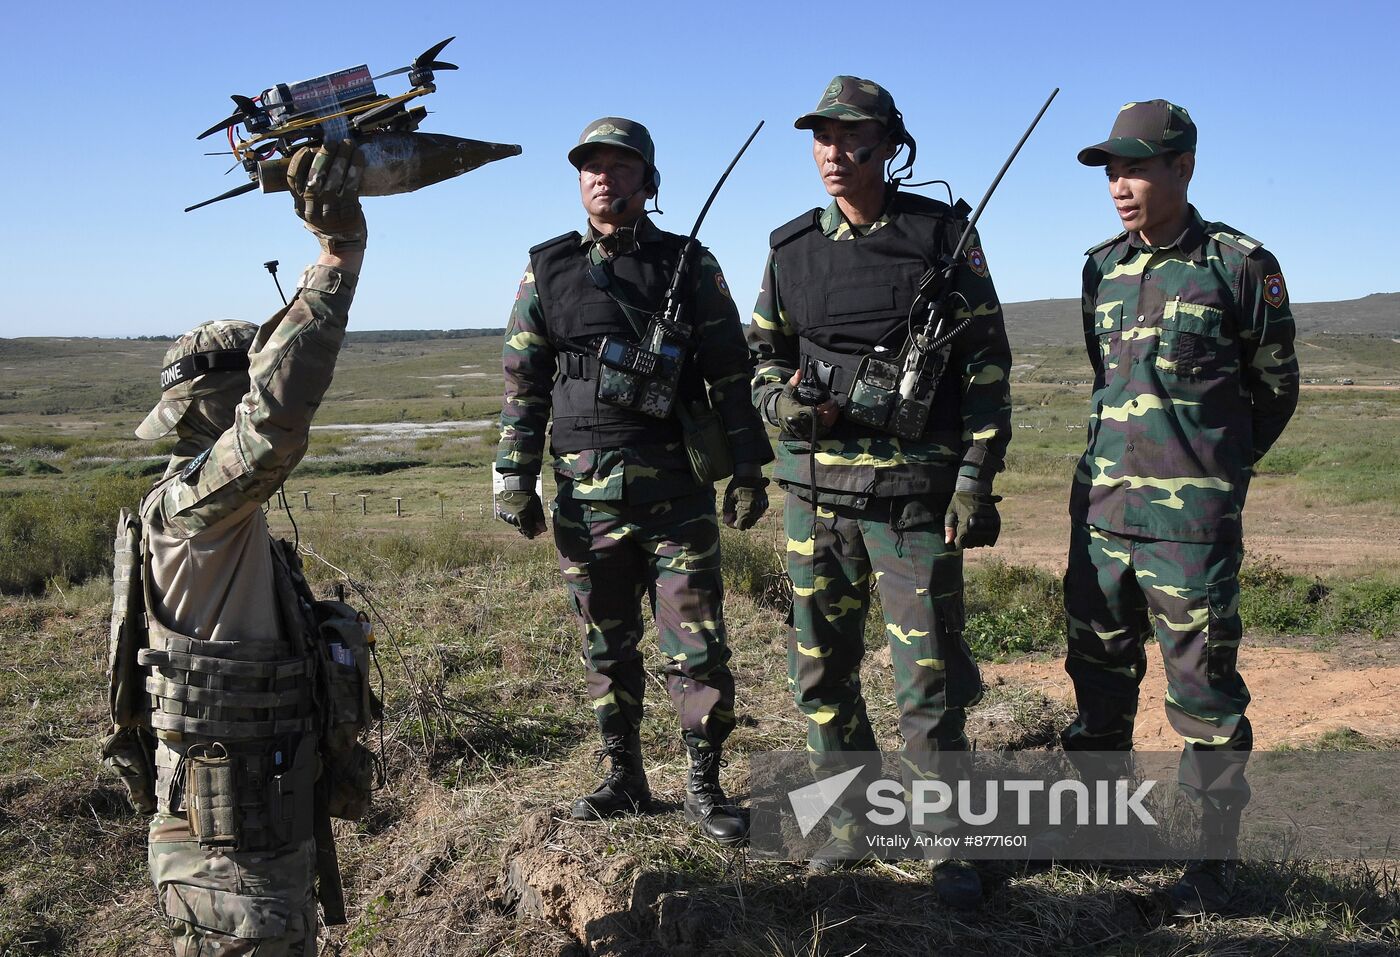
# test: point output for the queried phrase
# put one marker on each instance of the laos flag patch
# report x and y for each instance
(977, 261)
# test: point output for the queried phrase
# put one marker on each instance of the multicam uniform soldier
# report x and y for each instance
(1188, 329)
(232, 710)
(840, 284)
(630, 519)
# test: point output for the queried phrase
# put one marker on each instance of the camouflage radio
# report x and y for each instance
(644, 377)
(891, 399)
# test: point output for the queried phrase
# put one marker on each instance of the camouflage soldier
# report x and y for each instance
(1188, 329)
(630, 518)
(864, 505)
(232, 850)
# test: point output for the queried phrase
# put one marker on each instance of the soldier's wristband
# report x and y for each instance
(517, 482)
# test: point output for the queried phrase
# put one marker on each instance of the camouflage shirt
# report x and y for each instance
(855, 464)
(1194, 380)
(635, 474)
(206, 537)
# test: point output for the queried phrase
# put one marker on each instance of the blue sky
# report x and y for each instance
(1295, 103)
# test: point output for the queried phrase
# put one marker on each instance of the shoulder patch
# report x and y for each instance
(977, 261)
(573, 234)
(190, 473)
(1227, 236)
(1275, 292)
(791, 230)
(1106, 243)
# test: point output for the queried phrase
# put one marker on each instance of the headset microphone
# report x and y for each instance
(618, 205)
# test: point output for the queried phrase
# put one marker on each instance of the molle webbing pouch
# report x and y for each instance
(350, 707)
(706, 442)
(211, 796)
(129, 749)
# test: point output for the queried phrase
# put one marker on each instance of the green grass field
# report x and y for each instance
(487, 735)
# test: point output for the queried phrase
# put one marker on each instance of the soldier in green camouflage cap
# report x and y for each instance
(631, 521)
(227, 724)
(1191, 341)
(866, 507)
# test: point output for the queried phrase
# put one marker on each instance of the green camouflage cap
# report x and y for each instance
(850, 98)
(1144, 129)
(201, 362)
(614, 131)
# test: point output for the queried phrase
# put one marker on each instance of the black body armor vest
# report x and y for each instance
(578, 315)
(846, 298)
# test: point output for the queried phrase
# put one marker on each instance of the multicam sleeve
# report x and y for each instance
(773, 344)
(725, 363)
(292, 360)
(982, 357)
(1267, 359)
(528, 362)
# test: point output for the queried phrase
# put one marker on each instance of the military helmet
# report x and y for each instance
(620, 132)
(202, 362)
(1144, 129)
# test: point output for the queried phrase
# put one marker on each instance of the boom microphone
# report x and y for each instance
(618, 205)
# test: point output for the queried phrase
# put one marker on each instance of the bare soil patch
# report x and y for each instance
(1298, 694)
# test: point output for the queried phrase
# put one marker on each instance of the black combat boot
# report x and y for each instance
(624, 790)
(1207, 884)
(957, 884)
(705, 803)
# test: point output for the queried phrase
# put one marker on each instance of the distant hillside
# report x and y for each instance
(1056, 321)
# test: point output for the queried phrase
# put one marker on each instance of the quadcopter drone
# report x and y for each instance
(345, 105)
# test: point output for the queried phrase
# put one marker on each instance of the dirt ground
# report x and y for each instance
(1308, 539)
(1298, 694)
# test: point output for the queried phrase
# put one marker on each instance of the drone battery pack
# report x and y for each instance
(287, 101)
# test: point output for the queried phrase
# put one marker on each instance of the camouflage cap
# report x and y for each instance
(614, 131)
(1144, 129)
(202, 362)
(850, 98)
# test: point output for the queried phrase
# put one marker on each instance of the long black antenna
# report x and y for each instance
(694, 230)
(972, 222)
(271, 266)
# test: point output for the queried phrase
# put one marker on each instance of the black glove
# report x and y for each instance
(972, 515)
(794, 418)
(745, 501)
(520, 506)
(325, 186)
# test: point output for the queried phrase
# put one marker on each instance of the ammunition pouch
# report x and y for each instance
(249, 801)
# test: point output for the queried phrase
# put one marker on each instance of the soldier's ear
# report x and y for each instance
(1186, 166)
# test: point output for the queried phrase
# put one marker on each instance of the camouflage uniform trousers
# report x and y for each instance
(612, 554)
(897, 542)
(1118, 592)
(228, 903)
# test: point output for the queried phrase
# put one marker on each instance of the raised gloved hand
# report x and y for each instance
(745, 500)
(518, 504)
(795, 419)
(325, 185)
(972, 520)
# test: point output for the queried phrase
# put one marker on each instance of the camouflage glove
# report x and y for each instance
(972, 515)
(745, 500)
(517, 504)
(325, 185)
(795, 419)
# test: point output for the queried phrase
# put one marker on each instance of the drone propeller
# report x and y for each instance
(246, 108)
(236, 191)
(423, 65)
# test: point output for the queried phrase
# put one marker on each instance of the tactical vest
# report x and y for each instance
(846, 298)
(578, 315)
(259, 735)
